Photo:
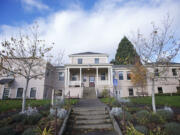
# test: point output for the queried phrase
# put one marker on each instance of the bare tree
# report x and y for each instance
(58, 58)
(160, 47)
(24, 56)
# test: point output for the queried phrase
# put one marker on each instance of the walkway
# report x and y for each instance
(89, 118)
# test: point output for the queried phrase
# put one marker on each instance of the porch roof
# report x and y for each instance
(88, 65)
(6, 80)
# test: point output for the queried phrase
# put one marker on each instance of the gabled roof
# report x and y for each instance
(88, 53)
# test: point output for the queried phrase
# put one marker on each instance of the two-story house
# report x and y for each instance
(91, 71)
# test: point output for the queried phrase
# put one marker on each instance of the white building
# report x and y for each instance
(88, 72)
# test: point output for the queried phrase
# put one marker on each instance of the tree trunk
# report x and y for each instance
(153, 96)
(24, 96)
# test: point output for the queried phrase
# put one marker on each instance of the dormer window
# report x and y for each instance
(96, 60)
(79, 61)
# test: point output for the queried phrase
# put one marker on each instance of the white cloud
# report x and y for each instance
(30, 4)
(101, 28)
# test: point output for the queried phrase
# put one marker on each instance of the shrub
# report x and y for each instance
(29, 131)
(18, 117)
(32, 119)
(128, 116)
(142, 117)
(105, 93)
(165, 114)
(7, 131)
(116, 111)
(155, 118)
(133, 109)
(132, 131)
(172, 128)
(142, 129)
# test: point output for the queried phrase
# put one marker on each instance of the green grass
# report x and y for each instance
(9, 105)
(173, 101)
(6, 105)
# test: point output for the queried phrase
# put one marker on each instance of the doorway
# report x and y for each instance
(91, 81)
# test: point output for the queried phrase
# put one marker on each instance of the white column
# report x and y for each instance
(111, 76)
(108, 75)
(96, 76)
(80, 76)
(68, 77)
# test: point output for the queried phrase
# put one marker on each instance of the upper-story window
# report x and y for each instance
(74, 77)
(61, 76)
(96, 60)
(79, 61)
(103, 76)
(156, 72)
(120, 75)
(174, 71)
(128, 76)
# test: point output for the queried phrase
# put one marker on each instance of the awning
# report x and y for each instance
(8, 80)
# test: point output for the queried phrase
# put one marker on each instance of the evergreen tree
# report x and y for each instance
(126, 53)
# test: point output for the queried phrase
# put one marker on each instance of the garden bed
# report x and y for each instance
(138, 118)
(17, 124)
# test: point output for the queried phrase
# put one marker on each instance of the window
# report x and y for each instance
(120, 75)
(114, 74)
(96, 60)
(6, 93)
(128, 76)
(131, 92)
(174, 71)
(156, 72)
(47, 73)
(178, 89)
(19, 92)
(103, 76)
(74, 77)
(79, 61)
(33, 92)
(84, 78)
(160, 90)
(61, 76)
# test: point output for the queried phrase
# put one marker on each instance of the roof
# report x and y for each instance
(3, 81)
(89, 53)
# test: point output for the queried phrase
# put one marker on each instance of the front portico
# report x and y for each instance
(78, 77)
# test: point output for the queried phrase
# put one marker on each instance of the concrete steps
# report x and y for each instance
(89, 93)
(89, 118)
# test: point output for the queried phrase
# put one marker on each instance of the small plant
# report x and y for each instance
(127, 116)
(116, 111)
(172, 128)
(165, 114)
(29, 131)
(142, 117)
(32, 119)
(142, 129)
(132, 131)
(7, 131)
(155, 118)
(18, 117)
(45, 131)
(105, 93)
(61, 113)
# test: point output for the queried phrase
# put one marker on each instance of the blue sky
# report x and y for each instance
(86, 25)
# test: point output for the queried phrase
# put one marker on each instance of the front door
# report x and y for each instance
(6, 93)
(91, 81)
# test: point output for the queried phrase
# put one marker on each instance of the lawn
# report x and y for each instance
(9, 105)
(173, 101)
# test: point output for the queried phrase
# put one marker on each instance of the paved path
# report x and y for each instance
(89, 118)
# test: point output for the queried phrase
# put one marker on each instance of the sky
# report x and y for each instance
(86, 25)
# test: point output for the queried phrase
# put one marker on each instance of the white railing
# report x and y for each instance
(72, 83)
(105, 82)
